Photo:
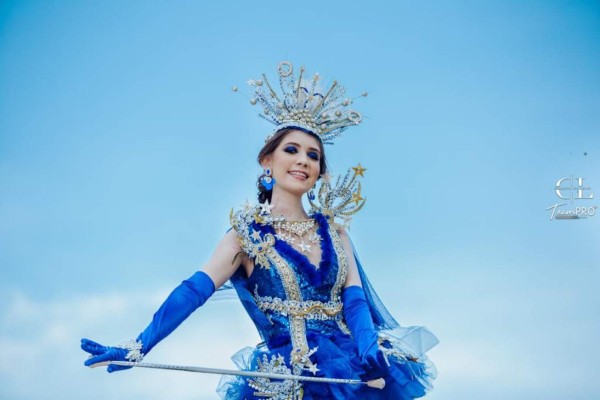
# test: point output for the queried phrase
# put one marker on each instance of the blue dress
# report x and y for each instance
(296, 307)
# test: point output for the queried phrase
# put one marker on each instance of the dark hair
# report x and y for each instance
(271, 145)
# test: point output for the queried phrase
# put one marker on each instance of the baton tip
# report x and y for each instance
(376, 383)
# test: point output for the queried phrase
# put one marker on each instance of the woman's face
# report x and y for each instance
(295, 162)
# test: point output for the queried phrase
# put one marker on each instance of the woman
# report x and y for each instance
(296, 272)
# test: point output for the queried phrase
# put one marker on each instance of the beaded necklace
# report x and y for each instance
(301, 229)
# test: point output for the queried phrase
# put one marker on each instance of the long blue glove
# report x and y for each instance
(358, 319)
(183, 301)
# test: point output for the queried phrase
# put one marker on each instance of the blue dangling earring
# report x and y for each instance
(311, 193)
(267, 180)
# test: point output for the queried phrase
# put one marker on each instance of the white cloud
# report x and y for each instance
(41, 358)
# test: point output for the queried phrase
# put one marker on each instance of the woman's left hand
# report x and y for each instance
(374, 363)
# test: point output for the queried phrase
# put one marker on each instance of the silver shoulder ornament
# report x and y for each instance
(253, 242)
(342, 200)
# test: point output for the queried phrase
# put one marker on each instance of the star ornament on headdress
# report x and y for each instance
(356, 197)
(342, 199)
(302, 103)
(359, 170)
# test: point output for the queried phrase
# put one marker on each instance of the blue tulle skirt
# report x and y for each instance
(409, 377)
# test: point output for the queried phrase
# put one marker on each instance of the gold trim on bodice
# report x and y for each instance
(310, 309)
(336, 290)
(300, 355)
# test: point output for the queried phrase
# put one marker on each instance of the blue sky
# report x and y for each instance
(122, 150)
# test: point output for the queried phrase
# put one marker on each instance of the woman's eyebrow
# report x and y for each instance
(297, 145)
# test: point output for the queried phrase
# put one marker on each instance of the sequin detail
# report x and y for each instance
(134, 348)
(275, 390)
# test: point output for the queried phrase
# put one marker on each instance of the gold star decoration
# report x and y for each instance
(359, 170)
(356, 197)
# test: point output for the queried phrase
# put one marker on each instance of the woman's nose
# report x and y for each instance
(302, 159)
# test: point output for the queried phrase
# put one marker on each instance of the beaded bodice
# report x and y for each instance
(292, 287)
(286, 295)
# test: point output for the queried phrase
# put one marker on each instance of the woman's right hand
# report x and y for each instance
(100, 353)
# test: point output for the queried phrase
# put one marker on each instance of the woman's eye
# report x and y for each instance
(293, 150)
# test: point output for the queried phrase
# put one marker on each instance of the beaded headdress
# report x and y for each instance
(303, 104)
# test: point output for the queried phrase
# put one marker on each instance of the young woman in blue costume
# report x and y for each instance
(296, 273)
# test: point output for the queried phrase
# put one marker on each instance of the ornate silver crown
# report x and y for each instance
(303, 104)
